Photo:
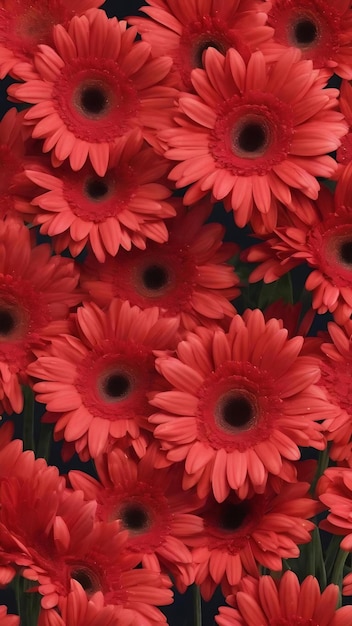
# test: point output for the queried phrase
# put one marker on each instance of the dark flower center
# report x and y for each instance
(96, 188)
(203, 45)
(7, 322)
(117, 386)
(93, 100)
(236, 411)
(87, 579)
(346, 252)
(135, 518)
(252, 137)
(155, 277)
(305, 32)
(232, 516)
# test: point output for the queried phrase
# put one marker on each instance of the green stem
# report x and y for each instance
(331, 555)
(44, 443)
(323, 463)
(337, 572)
(28, 603)
(28, 419)
(197, 606)
(320, 571)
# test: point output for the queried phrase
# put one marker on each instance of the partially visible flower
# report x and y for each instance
(94, 87)
(187, 276)
(240, 405)
(344, 152)
(97, 384)
(336, 381)
(249, 137)
(8, 620)
(285, 602)
(334, 489)
(184, 33)
(347, 585)
(76, 609)
(324, 245)
(12, 150)
(25, 25)
(151, 506)
(36, 293)
(321, 31)
(124, 207)
(241, 535)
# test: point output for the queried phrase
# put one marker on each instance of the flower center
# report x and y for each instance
(87, 579)
(232, 516)
(96, 189)
(155, 277)
(203, 44)
(134, 517)
(252, 133)
(207, 31)
(346, 252)
(330, 247)
(93, 99)
(7, 322)
(250, 138)
(116, 387)
(304, 32)
(236, 411)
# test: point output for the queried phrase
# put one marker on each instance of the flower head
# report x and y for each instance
(36, 293)
(240, 535)
(97, 382)
(335, 490)
(336, 381)
(285, 602)
(187, 276)
(241, 403)
(26, 25)
(254, 131)
(122, 208)
(185, 33)
(322, 33)
(324, 244)
(92, 89)
(151, 506)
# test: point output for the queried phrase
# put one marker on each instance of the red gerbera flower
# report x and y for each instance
(322, 32)
(238, 408)
(12, 149)
(284, 603)
(92, 89)
(76, 609)
(151, 505)
(25, 25)
(336, 381)
(325, 245)
(240, 535)
(184, 33)
(186, 277)
(254, 131)
(334, 489)
(36, 291)
(344, 152)
(8, 620)
(100, 565)
(122, 208)
(98, 384)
